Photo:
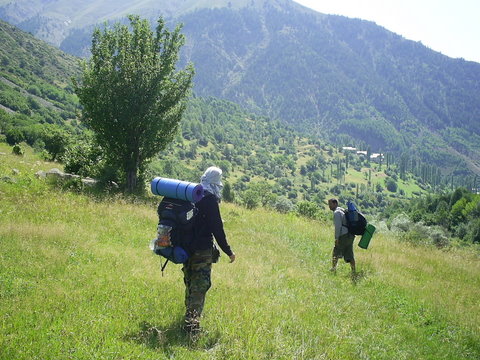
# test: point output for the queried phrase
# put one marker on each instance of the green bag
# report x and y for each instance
(367, 236)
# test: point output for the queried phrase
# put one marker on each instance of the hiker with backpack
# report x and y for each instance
(197, 270)
(343, 238)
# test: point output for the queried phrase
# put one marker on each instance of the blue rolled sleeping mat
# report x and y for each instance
(177, 189)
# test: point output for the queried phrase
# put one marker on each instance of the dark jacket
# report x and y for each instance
(208, 223)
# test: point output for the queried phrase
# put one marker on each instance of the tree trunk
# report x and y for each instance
(132, 174)
(131, 180)
(132, 168)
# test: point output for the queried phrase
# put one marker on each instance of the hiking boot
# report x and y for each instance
(192, 326)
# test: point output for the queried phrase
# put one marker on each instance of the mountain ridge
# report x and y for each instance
(60, 16)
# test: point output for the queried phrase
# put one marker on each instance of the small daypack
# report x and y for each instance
(356, 222)
(175, 231)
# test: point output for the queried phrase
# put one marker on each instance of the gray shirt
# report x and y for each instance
(340, 222)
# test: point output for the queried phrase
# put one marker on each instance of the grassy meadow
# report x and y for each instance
(78, 281)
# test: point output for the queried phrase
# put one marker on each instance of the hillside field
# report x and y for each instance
(78, 281)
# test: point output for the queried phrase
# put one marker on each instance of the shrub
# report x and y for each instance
(337, 189)
(417, 234)
(473, 234)
(292, 194)
(14, 136)
(227, 193)
(250, 199)
(245, 178)
(307, 209)
(83, 158)
(461, 230)
(401, 223)
(18, 150)
(74, 185)
(438, 237)
(56, 141)
(283, 205)
(391, 185)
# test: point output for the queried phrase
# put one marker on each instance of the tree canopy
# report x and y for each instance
(132, 96)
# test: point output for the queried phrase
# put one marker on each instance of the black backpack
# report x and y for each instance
(356, 222)
(175, 230)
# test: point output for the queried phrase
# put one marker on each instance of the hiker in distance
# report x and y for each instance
(343, 239)
(197, 270)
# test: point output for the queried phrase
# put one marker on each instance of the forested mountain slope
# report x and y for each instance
(36, 96)
(342, 79)
(39, 108)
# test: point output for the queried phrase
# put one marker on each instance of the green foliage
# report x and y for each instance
(13, 135)
(473, 234)
(457, 212)
(34, 75)
(84, 157)
(307, 209)
(250, 199)
(132, 96)
(56, 141)
(34, 91)
(257, 194)
(391, 185)
(227, 193)
(283, 205)
(417, 233)
(18, 150)
(273, 160)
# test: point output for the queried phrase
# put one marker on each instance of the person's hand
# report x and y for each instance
(232, 258)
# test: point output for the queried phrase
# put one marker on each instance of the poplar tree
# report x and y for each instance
(132, 96)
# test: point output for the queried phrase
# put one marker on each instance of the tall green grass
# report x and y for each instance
(77, 281)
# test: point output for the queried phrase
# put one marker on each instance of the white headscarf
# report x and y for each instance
(212, 181)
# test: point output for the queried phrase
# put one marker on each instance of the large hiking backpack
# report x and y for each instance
(175, 230)
(356, 222)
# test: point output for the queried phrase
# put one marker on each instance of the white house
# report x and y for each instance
(376, 157)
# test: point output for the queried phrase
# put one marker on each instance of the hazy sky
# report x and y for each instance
(451, 27)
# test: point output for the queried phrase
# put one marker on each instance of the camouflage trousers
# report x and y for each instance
(196, 276)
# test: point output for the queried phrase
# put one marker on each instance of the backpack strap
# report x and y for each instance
(345, 212)
(162, 266)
